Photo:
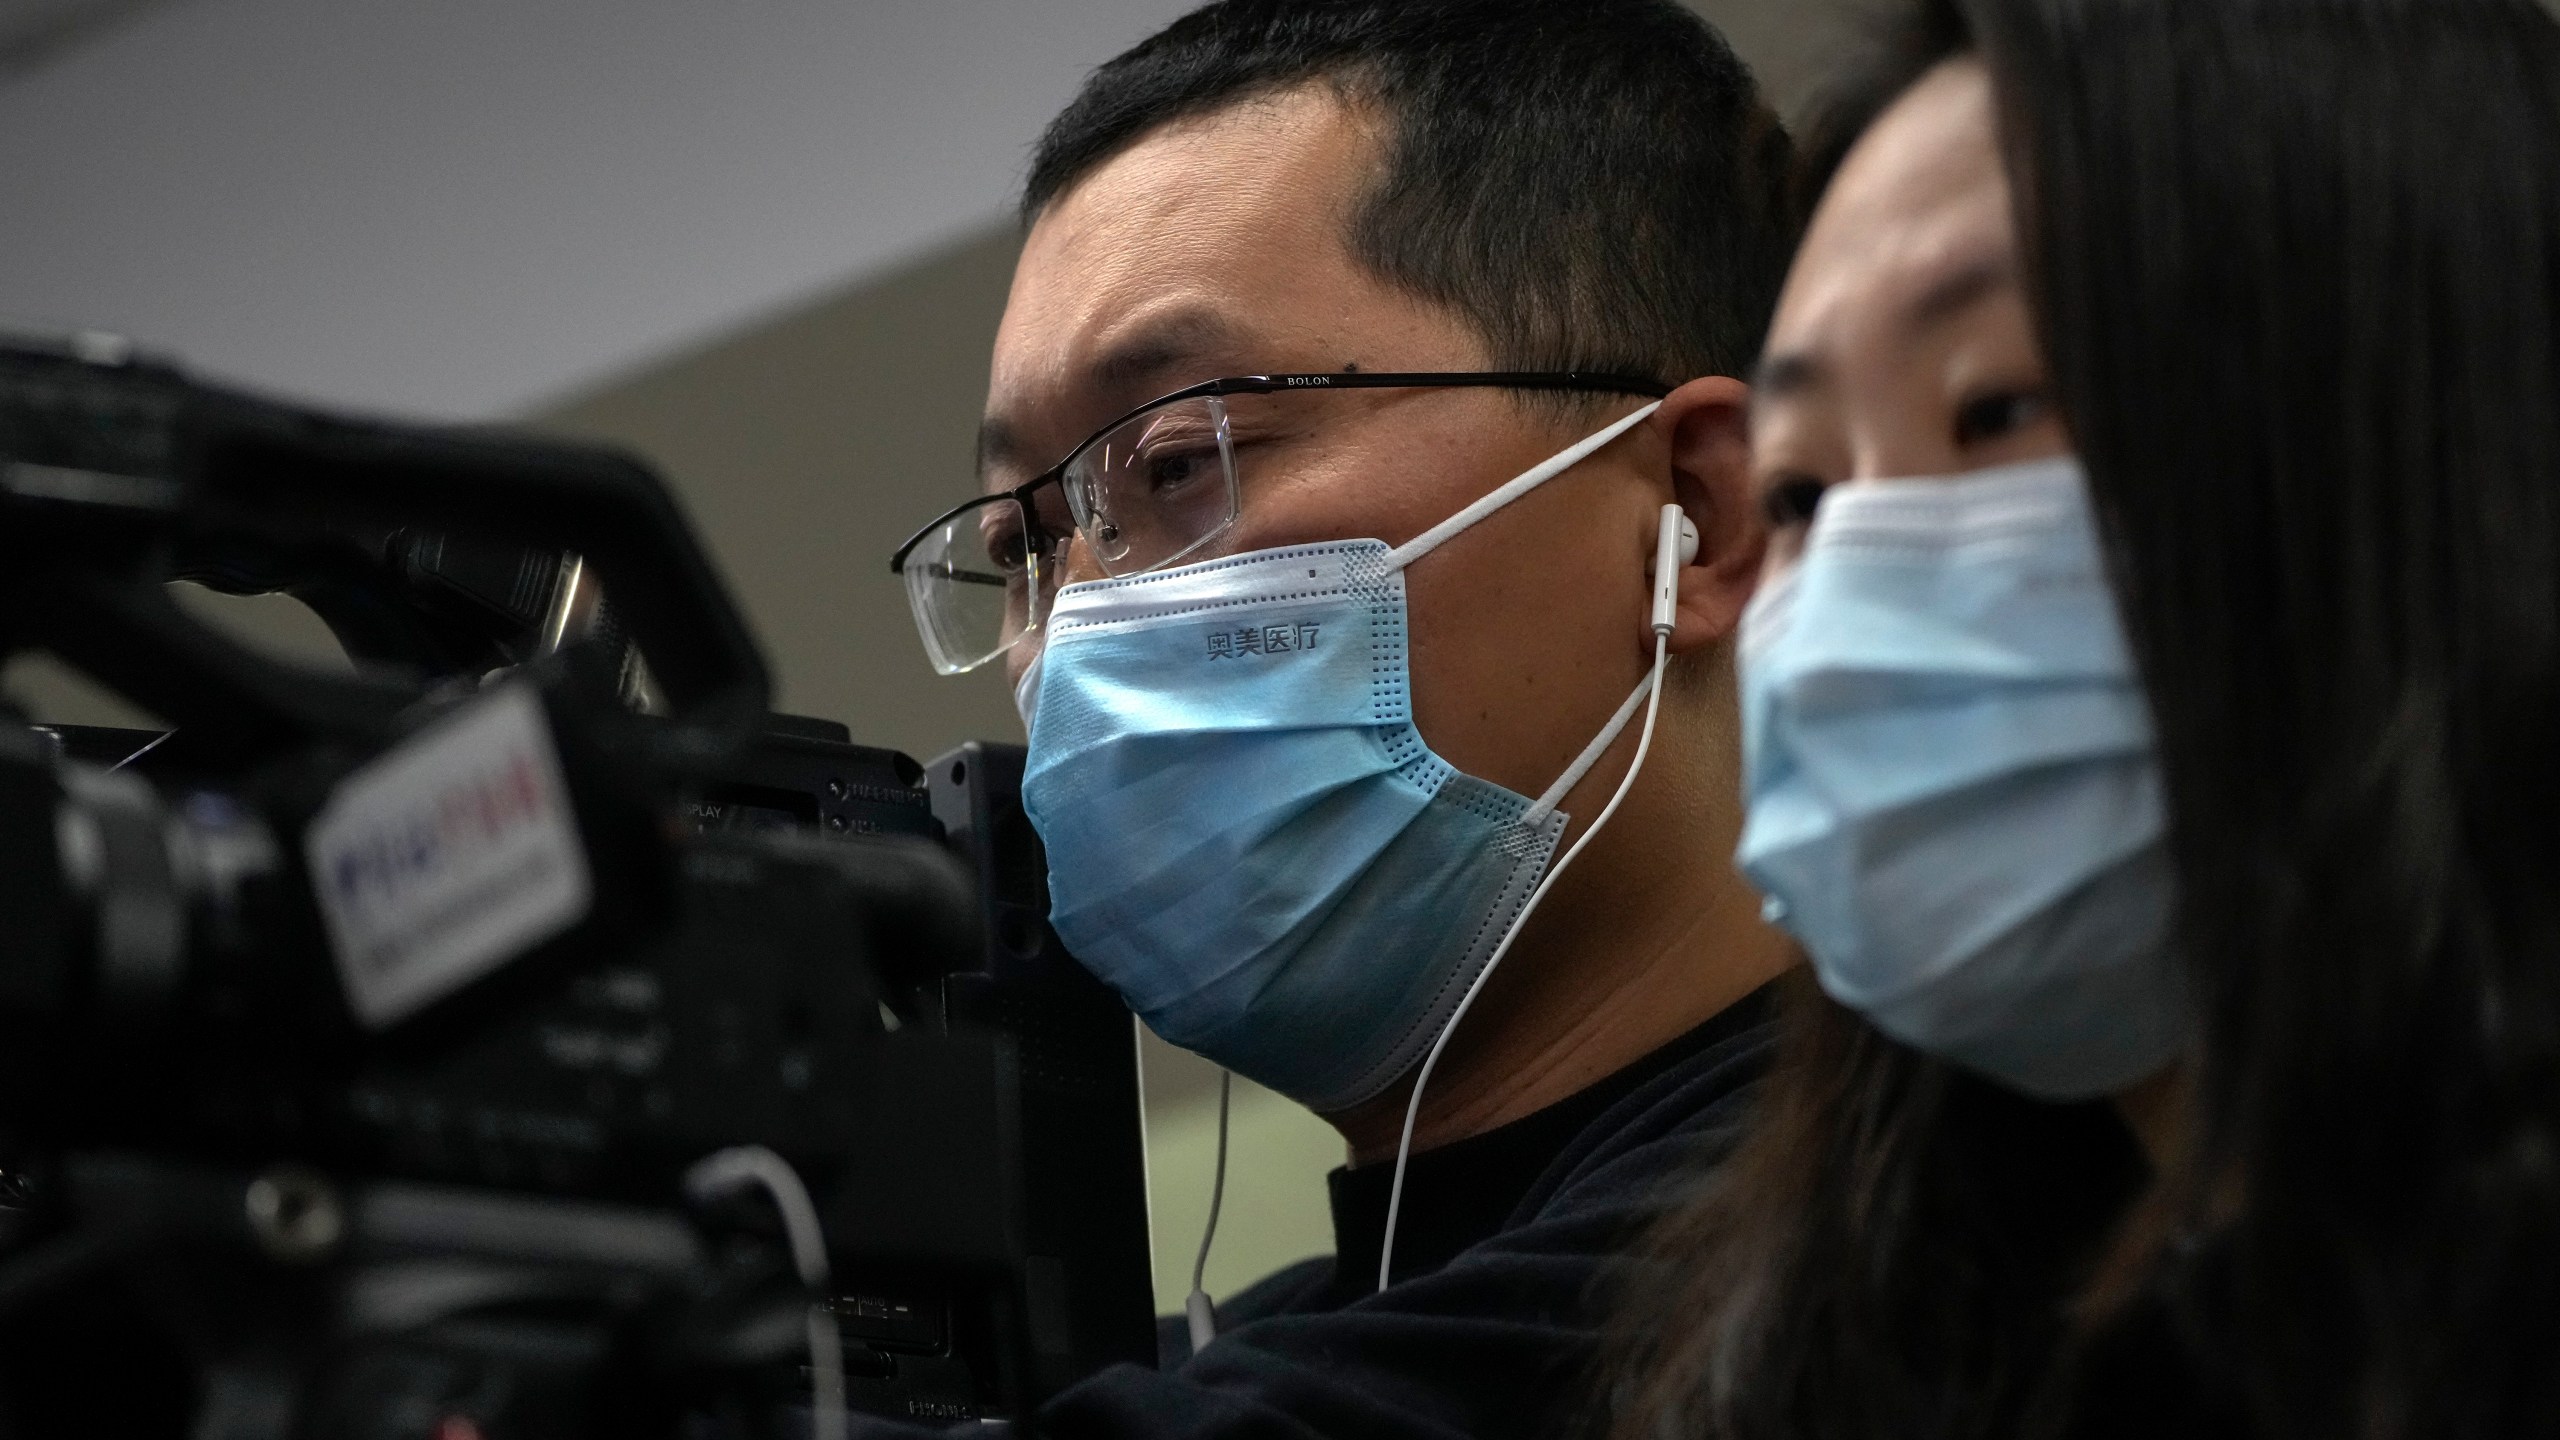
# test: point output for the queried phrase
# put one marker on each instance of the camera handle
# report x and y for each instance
(136, 458)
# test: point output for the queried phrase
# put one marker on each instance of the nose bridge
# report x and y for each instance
(1898, 425)
(1878, 398)
(1076, 563)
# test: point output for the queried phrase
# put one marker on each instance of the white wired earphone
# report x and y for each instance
(1675, 546)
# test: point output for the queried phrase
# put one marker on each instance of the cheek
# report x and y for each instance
(1372, 480)
(1310, 502)
(1786, 547)
(1524, 634)
(1077, 564)
(1903, 429)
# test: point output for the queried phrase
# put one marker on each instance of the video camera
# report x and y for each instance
(524, 1033)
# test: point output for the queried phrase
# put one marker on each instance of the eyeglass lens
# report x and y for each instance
(1144, 494)
(1156, 488)
(976, 584)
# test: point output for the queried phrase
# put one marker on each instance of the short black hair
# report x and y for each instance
(1593, 184)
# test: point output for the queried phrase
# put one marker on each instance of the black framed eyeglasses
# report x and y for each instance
(1151, 489)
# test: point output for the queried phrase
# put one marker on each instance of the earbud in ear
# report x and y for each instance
(1675, 545)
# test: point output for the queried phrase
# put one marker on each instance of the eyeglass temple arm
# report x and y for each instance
(1591, 380)
(1429, 379)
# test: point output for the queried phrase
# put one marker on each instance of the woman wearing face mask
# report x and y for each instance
(2149, 715)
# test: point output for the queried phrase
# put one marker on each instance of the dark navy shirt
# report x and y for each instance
(1492, 1325)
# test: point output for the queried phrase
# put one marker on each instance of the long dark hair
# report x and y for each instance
(2297, 269)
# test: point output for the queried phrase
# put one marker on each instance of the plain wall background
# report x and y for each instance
(765, 247)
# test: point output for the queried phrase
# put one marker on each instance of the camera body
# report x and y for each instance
(357, 1036)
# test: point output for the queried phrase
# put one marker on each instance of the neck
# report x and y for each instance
(1650, 935)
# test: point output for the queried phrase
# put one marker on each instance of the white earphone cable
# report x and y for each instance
(753, 1166)
(1196, 1309)
(1413, 1105)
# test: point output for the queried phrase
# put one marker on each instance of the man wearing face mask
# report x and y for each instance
(1363, 493)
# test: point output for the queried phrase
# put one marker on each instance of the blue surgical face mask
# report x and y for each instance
(1247, 837)
(1954, 801)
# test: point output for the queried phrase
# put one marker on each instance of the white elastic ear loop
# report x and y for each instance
(1545, 805)
(1512, 489)
(1652, 688)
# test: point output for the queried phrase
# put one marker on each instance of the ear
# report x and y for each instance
(1708, 422)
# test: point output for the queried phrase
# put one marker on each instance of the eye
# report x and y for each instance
(1003, 540)
(1792, 500)
(1999, 415)
(1172, 468)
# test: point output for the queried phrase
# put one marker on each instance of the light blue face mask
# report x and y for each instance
(1247, 837)
(1954, 802)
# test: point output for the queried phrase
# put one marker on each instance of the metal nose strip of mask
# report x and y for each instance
(1449, 529)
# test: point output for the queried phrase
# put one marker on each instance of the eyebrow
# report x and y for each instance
(999, 443)
(1791, 372)
(1778, 376)
(1127, 374)
(1162, 343)
(1961, 289)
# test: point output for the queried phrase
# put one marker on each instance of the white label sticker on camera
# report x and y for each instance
(448, 857)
